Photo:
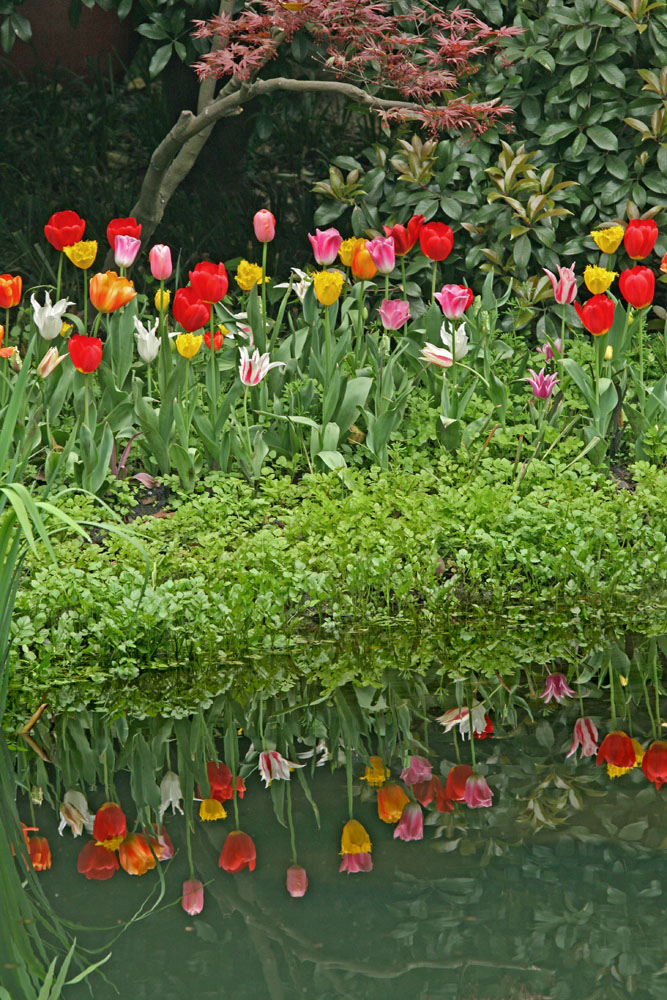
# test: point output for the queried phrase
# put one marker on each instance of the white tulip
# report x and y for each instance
(49, 318)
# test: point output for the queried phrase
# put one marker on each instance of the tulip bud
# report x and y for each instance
(49, 362)
(162, 299)
(126, 249)
(16, 361)
(264, 225)
(609, 353)
(159, 258)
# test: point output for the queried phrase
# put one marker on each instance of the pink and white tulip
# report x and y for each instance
(326, 244)
(556, 687)
(356, 863)
(454, 300)
(125, 250)
(411, 824)
(253, 369)
(477, 793)
(382, 252)
(586, 737)
(193, 897)
(437, 356)
(274, 767)
(264, 224)
(564, 286)
(50, 362)
(418, 769)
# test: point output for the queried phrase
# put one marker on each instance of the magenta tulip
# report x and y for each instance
(382, 251)
(454, 300)
(564, 286)
(326, 244)
(556, 687)
(411, 824)
(477, 793)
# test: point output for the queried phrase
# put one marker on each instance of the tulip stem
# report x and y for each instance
(60, 274)
(264, 252)
(86, 419)
(456, 744)
(214, 376)
(85, 299)
(290, 822)
(245, 420)
(360, 321)
(472, 735)
(658, 724)
(348, 770)
(188, 846)
(327, 344)
(613, 697)
(405, 283)
(641, 353)
(581, 697)
(148, 372)
(433, 281)
(648, 705)
(386, 286)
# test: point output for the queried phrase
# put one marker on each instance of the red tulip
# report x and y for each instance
(296, 881)
(597, 315)
(238, 852)
(456, 782)
(616, 749)
(654, 764)
(405, 238)
(40, 853)
(64, 229)
(436, 240)
(189, 310)
(110, 826)
(640, 237)
(637, 285)
(10, 290)
(97, 862)
(426, 791)
(209, 281)
(122, 227)
(85, 352)
(218, 339)
(135, 854)
(220, 779)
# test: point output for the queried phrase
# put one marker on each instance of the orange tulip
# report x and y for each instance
(391, 802)
(10, 290)
(362, 263)
(40, 853)
(108, 291)
(135, 854)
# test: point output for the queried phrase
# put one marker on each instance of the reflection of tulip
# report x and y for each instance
(64, 228)
(640, 238)
(274, 767)
(564, 286)
(253, 369)
(220, 781)
(49, 318)
(123, 227)
(110, 826)
(381, 250)
(456, 782)
(454, 300)
(391, 802)
(551, 350)
(326, 244)
(97, 862)
(296, 881)
(418, 769)
(238, 852)
(597, 315)
(556, 687)
(411, 824)
(477, 793)
(10, 290)
(108, 291)
(436, 240)
(362, 264)
(352, 863)
(82, 254)
(585, 736)
(209, 281)
(327, 286)
(211, 809)
(608, 240)
(355, 848)
(376, 773)
(161, 844)
(616, 749)
(264, 224)
(193, 897)
(135, 855)
(189, 310)
(654, 764)
(426, 791)
(40, 853)
(125, 250)
(394, 313)
(85, 352)
(75, 814)
(159, 258)
(637, 286)
(405, 238)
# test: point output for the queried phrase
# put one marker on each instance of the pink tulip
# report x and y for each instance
(454, 300)
(541, 384)
(193, 897)
(296, 881)
(437, 356)
(418, 769)
(326, 244)
(586, 736)
(565, 286)
(382, 251)
(477, 793)
(556, 687)
(411, 824)
(394, 313)
(550, 351)
(356, 863)
(160, 261)
(125, 250)
(264, 224)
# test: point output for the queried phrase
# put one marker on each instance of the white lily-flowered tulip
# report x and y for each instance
(460, 717)
(148, 344)
(170, 794)
(274, 767)
(253, 369)
(461, 346)
(75, 814)
(49, 318)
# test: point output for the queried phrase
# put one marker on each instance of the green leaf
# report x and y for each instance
(612, 74)
(160, 59)
(556, 132)
(578, 75)
(545, 59)
(602, 137)
(521, 252)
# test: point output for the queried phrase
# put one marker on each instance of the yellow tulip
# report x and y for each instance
(347, 248)
(82, 254)
(248, 274)
(187, 345)
(328, 285)
(211, 809)
(355, 840)
(608, 240)
(598, 279)
(65, 329)
(162, 300)
(608, 355)
(376, 773)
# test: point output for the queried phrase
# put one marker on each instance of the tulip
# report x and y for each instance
(187, 345)
(82, 254)
(97, 862)
(382, 251)
(362, 264)
(274, 767)
(85, 352)
(238, 852)
(586, 737)
(405, 238)
(608, 240)
(394, 313)
(542, 385)
(426, 791)
(170, 795)
(477, 793)
(159, 258)
(110, 826)
(454, 300)
(556, 687)
(209, 281)
(361, 862)
(75, 814)
(411, 824)
(327, 286)
(264, 224)
(135, 855)
(326, 244)
(189, 310)
(126, 249)
(461, 346)
(64, 228)
(5, 352)
(456, 782)
(10, 290)
(193, 897)
(162, 299)
(637, 285)
(609, 353)
(49, 318)
(617, 749)
(640, 238)
(211, 809)
(161, 844)
(564, 286)
(49, 362)
(418, 769)
(218, 339)
(253, 370)
(392, 800)
(123, 227)
(348, 247)
(436, 240)
(109, 291)
(663, 264)
(220, 782)
(436, 355)
(148, 344)
(296, 881)
(376, 773)
(598, 279)
(356, 848)
(551, 350)
(40, 853)
(248, 274)
(654, 764)
(597, 315)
